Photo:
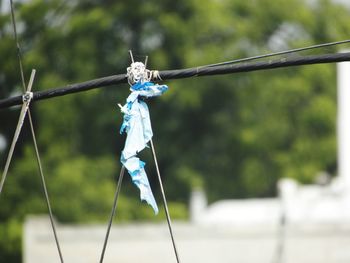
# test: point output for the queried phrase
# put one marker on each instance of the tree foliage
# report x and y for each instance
(234, 136)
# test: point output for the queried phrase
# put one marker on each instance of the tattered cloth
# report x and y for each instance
(137, 125)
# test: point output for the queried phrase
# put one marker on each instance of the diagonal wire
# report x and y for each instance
(114, 209)
(281, 240)
(34, 137)
(165, 203)
(24, 110)
(45, 188)
(278, 53)
(19, 53)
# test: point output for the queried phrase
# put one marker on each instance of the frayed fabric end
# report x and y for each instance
(137, 125)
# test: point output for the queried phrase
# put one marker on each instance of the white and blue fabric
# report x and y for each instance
(137, 125)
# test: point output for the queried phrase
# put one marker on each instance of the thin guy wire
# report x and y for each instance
(24, 110)
(45, 188)
(12, 148)
(17, 43)
(165, 202)
(279, 257)
(281, 234)
(119, 185)
(277, 53)
(34, 137)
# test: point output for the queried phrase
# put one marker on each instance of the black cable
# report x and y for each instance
(182, 73)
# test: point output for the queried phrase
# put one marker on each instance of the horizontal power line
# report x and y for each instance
(182, 73)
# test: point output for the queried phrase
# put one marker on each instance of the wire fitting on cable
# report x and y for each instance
(155, 75)
(27, 97)
(137, 72)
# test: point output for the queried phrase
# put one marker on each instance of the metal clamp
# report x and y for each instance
(27, 97)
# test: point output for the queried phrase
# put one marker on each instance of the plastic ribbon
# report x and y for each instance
(137, 125)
